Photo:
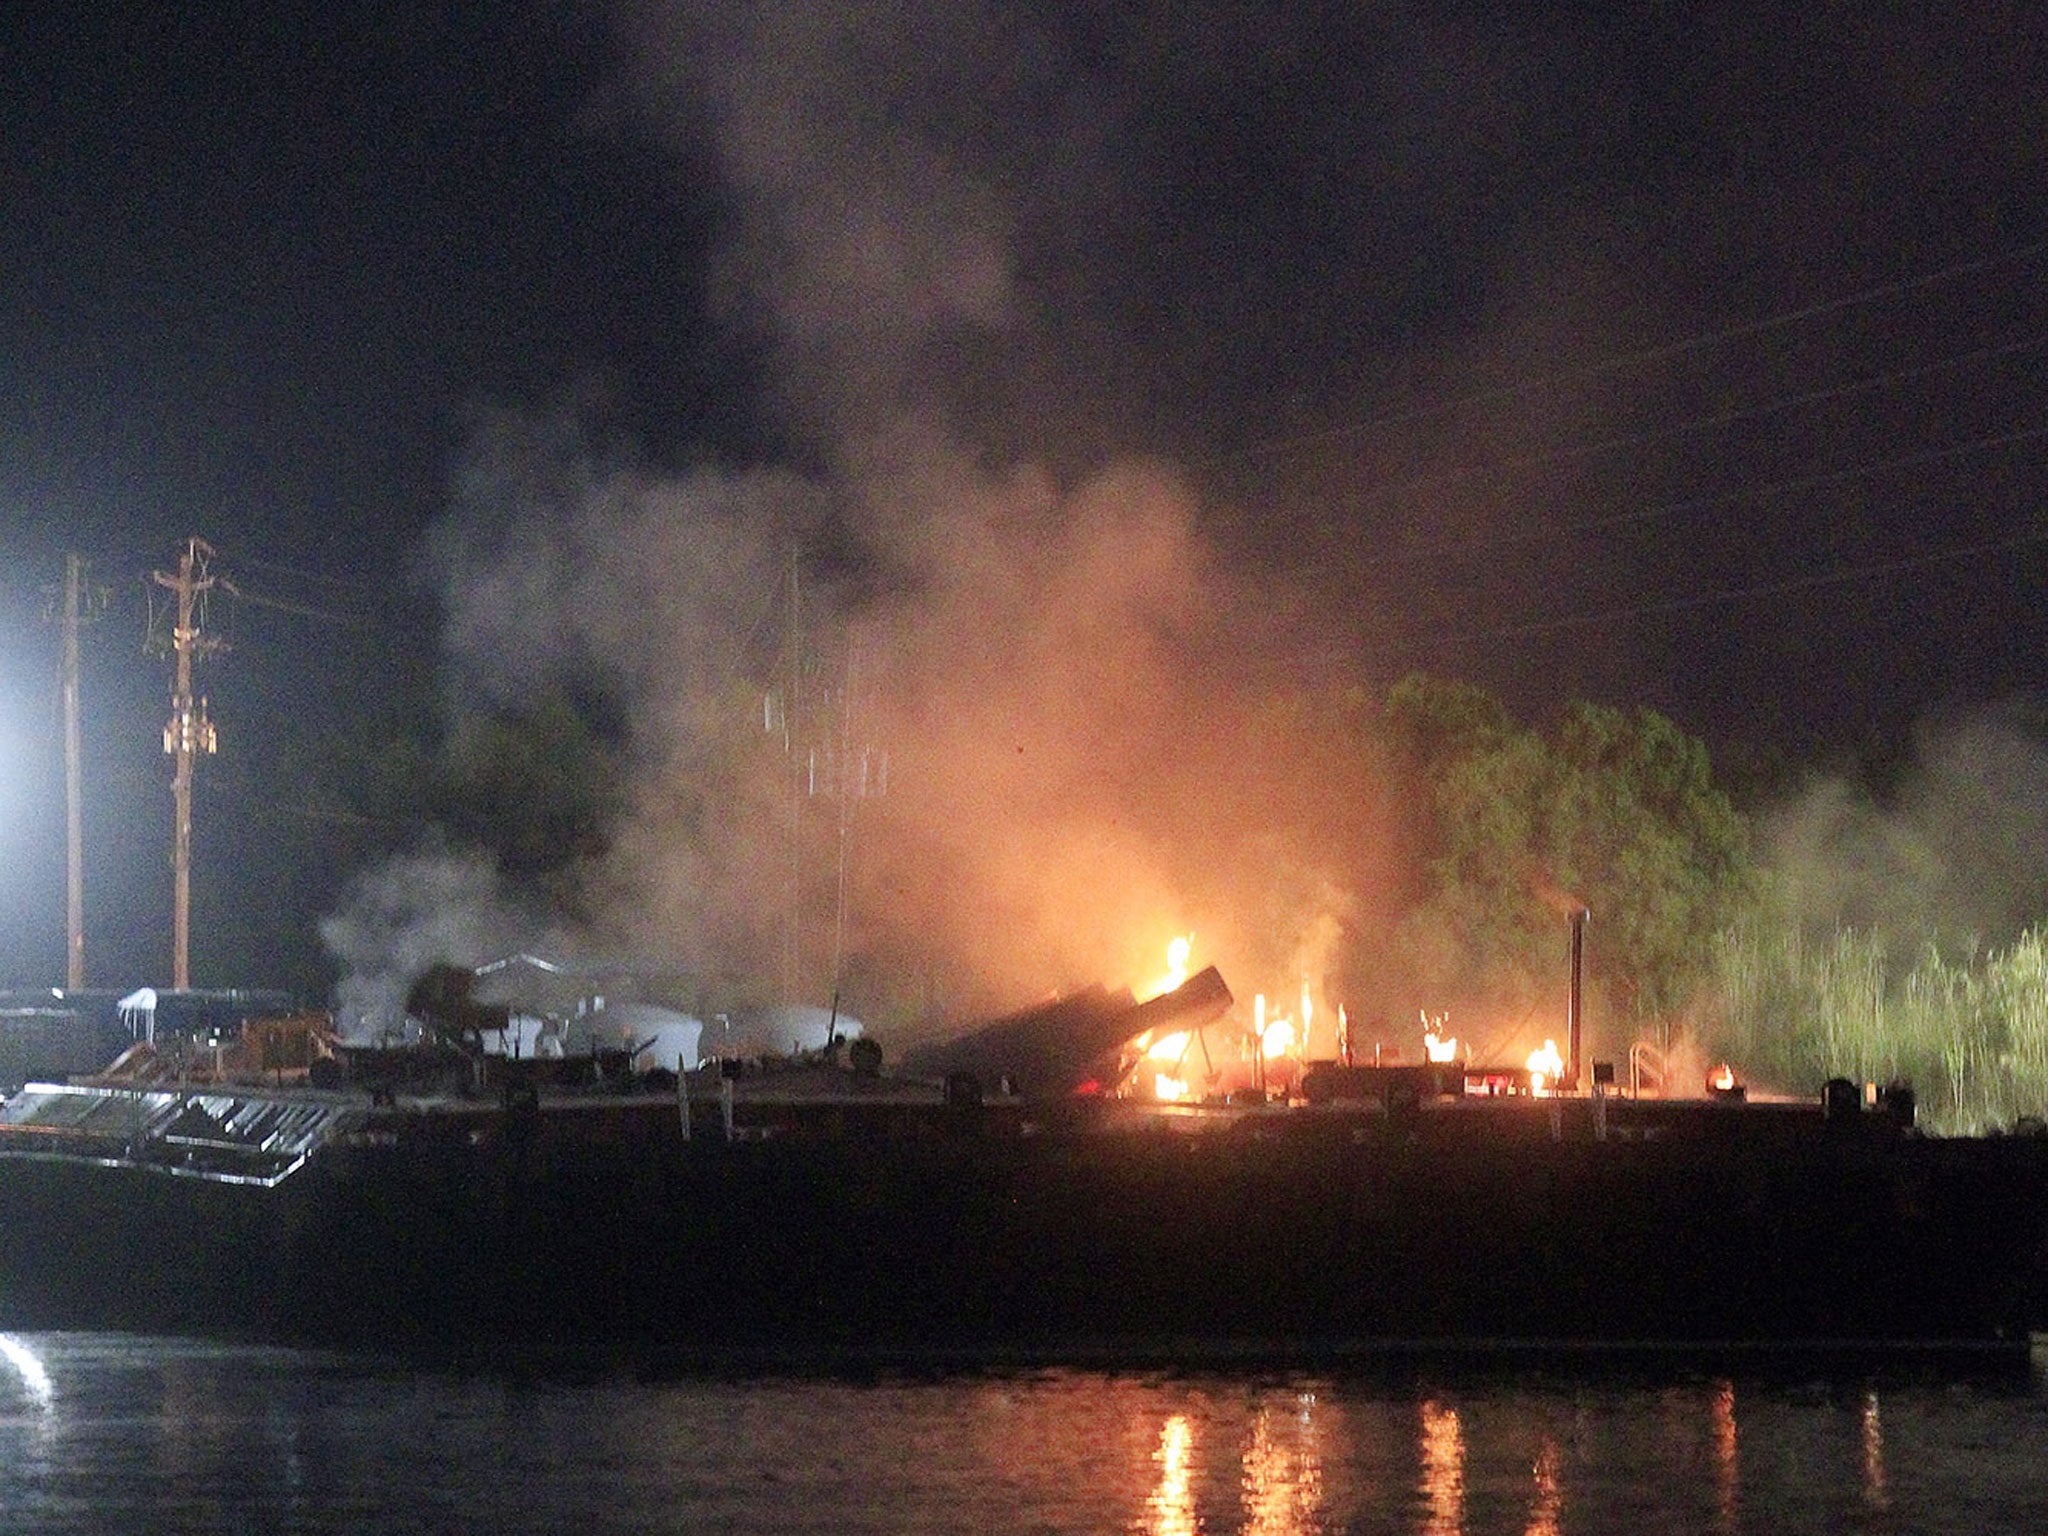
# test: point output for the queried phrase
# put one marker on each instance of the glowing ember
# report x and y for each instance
(1545, 1066)
(1722, 1079)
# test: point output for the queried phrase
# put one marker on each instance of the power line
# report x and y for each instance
(252, 807)
(1810, 582)
(361, 623)
(1456, 542)
(1623, 360)
(303, 610)
(1389, 489)
(300, 573)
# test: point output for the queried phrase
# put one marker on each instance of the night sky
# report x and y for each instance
(1682, 358)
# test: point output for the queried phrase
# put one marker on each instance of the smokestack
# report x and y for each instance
(1574, 1008)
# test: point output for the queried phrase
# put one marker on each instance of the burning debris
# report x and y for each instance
(1436, 1045)
(1079, 1043)
(1546, 1067)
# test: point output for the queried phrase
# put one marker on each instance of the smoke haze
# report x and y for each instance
(1089, 734)
(1065, 733)
(430, 906)
(1957, 853)
(984, 673)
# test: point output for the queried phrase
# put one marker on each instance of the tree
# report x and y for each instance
(1616, 812)
(1640, 828)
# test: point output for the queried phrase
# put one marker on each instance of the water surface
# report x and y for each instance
(117, 1433)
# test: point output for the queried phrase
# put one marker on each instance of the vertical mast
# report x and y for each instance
(796, 742)
(845, 785)
(799, 706)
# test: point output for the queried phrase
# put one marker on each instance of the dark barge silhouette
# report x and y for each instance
(825, 1209)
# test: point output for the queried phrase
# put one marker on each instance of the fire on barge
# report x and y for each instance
(991, 1198)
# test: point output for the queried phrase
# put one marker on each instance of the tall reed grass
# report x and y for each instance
(1970, 1032)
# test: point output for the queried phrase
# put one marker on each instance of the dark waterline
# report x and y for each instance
(106, 1432)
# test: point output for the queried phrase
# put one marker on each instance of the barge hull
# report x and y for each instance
(601, 1226)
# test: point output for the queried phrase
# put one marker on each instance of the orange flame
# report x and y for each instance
(1170, 1053)
(1178, 952)
(1722, 1078)
(1275, 1035)
(1545, 1067)
(1436, 1045)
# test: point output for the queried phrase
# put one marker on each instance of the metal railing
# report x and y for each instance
(1646, 1060)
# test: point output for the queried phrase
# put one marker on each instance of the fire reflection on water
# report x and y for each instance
(1547, 1498)
(1172, 1504)
(1874, 1493)
(1283, 1483)
(1280, 1475)
(1442, 1483)
(193, 1436)
(1727, 1466)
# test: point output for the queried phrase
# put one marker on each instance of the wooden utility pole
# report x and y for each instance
(74, 797)
(75, 607)
(189, 733)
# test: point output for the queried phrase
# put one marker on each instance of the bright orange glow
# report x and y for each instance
(1178, 953)
(1722, 1078)
(1171, 1052)
(1276, 1035)
(1436, 1044)
(1545, 1066)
